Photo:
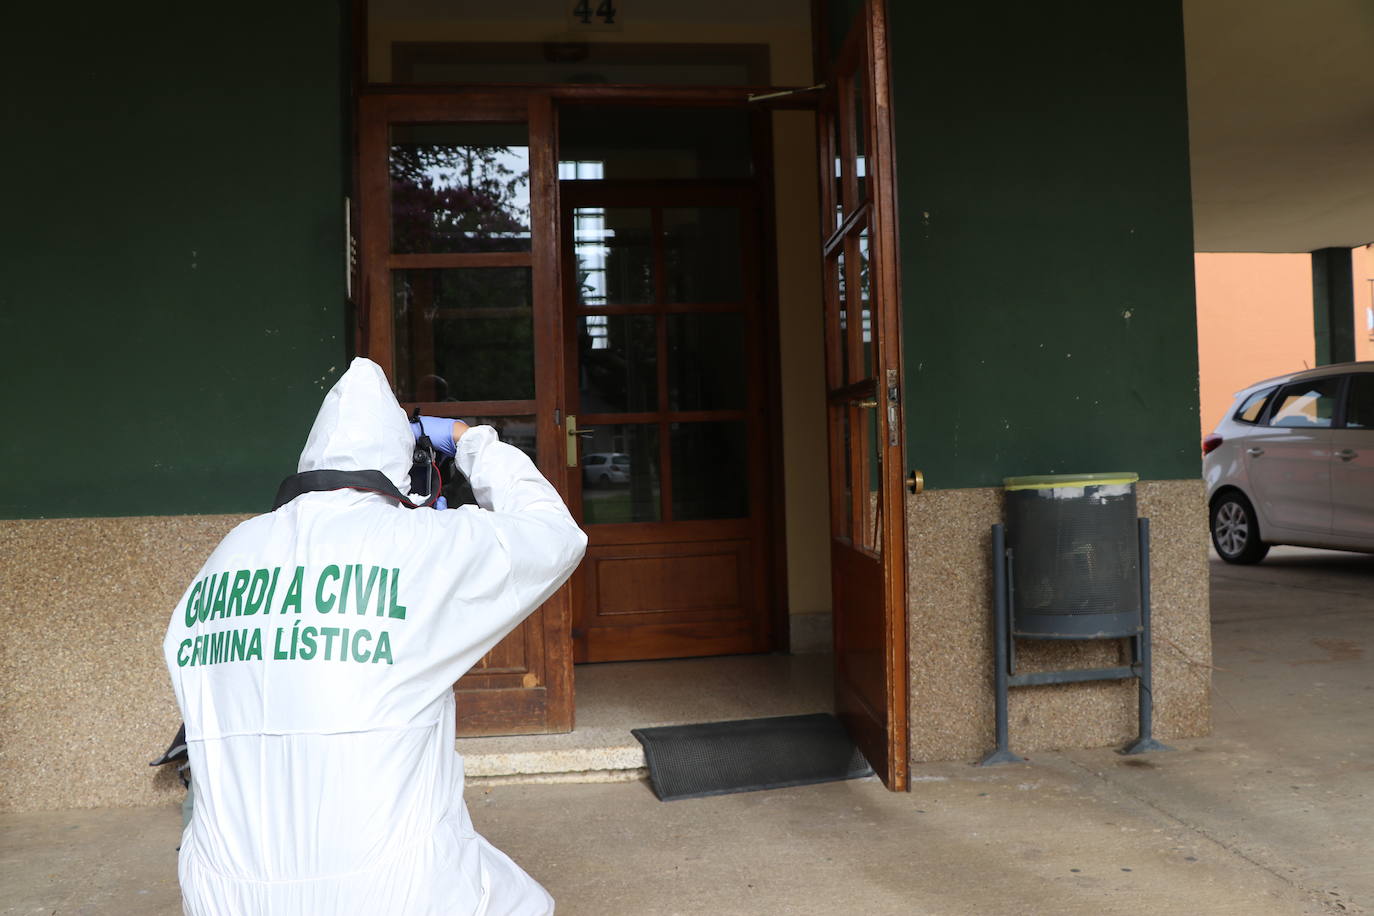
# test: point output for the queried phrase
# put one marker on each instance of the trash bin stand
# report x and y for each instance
(1004, 650)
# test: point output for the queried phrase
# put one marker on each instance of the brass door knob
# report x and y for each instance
(916, 482)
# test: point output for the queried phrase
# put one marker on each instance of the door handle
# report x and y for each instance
(573, 433)
(1346, 454)
(865, 402)
(1255, 451)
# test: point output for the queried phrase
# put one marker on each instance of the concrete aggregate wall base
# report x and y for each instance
(86, 698)
(87, 702)
(950, 634)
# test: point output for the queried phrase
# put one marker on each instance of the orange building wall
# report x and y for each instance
(1254, 316)
(1254, 320)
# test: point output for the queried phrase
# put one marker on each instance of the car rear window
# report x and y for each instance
(1359, 402)
(1307, 405)
(1250, 409)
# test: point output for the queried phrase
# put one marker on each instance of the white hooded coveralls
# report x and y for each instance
(313, 660)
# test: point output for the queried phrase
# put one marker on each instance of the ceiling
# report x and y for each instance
(1280, 96)
(1281, 118)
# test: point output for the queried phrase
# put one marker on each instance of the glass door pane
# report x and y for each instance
(837, 174)
(842, 309)
(710, 470)
(619, 143)
(459, 187)
(860, 159)
(706, 368)
(463, 334)
(618, 369)
(613, 247)
(620, 474)
(865, 329)
(701, 255)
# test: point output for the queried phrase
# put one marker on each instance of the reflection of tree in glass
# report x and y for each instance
(474, 206)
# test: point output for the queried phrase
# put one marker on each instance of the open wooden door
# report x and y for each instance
(460, 278)
(863, 347)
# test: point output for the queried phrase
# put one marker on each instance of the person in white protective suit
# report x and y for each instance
(313, 660)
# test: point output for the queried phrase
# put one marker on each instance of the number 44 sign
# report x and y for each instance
(596, 14)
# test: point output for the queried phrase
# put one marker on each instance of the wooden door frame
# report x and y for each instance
(867, 44)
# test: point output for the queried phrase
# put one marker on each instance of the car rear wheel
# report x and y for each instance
(1235, 530)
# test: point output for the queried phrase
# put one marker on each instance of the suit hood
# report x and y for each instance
(361, 427)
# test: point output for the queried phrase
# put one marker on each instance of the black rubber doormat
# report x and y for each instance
(717, 758)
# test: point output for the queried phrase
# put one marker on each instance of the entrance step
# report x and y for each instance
(585, 755)
(614, 698)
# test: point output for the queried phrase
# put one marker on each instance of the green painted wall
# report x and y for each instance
(171, 244)
(1046, 240)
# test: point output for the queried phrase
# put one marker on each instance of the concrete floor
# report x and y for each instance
(1270, 815)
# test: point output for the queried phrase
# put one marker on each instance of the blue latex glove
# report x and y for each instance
(440, 432)
(440, 503)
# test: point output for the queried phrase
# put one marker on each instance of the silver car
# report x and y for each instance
(605, 468)
(1293, 463)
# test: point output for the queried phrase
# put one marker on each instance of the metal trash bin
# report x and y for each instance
(1075, 565)
(1076, 548)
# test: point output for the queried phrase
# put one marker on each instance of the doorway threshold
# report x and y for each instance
(613, 698)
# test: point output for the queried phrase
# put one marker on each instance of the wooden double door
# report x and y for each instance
(618, 331)
(613, 329)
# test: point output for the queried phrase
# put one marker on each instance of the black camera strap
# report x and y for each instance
(319, 481)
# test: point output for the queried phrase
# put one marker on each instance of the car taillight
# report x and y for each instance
(1210, 444)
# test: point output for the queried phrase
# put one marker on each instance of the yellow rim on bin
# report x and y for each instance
(1058, 481)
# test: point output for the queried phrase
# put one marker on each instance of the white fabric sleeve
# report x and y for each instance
(542, 542)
